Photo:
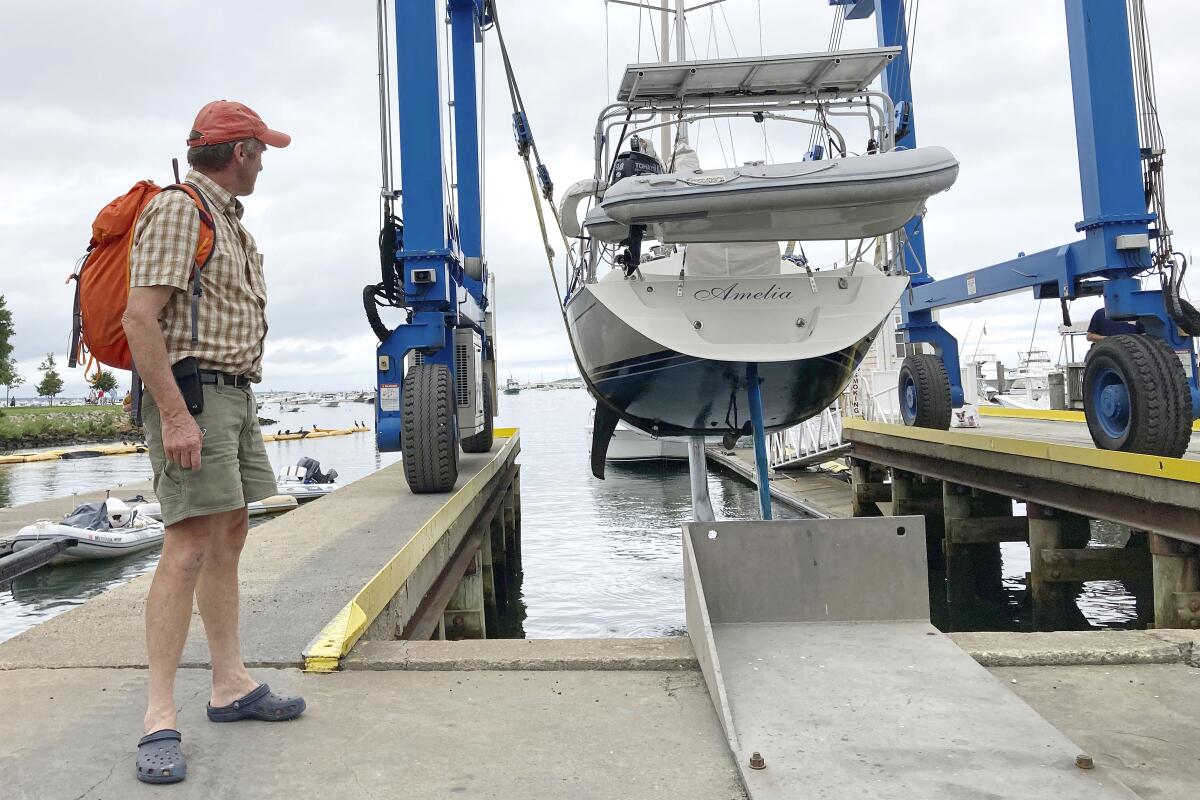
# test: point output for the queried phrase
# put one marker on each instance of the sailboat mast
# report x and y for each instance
(664, 56)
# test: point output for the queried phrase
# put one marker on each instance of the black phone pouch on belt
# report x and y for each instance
(187, 376)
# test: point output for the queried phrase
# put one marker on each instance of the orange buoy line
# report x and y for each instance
(128, 448)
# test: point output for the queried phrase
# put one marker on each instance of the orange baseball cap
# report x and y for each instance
(226, 121)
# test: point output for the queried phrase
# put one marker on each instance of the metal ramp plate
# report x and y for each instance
(805, 73)
(815, 642)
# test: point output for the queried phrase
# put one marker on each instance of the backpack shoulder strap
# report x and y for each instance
(204, 247)
(208, 227)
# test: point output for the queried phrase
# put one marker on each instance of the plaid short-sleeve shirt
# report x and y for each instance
(232, 322)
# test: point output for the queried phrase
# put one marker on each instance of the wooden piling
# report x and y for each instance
(1176, 575)
(867, 489)
(1049, 597)
(911, 496)
(956, 502)
(499, 557)
(510, 530)
(465, 616)
(1141, 584)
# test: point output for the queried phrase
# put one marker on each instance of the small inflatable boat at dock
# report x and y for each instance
(107, 529)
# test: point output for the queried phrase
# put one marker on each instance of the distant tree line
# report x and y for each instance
(51, 384)
(9, 377)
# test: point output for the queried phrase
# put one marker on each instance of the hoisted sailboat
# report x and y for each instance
(713, 331)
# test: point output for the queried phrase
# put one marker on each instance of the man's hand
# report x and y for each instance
(182, 440)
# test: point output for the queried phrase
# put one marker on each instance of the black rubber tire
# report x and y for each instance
(428, 429)
(482, 441)
(932, 392)
(1159, 398)
(1178, 393)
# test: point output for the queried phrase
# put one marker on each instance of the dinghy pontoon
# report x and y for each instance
(839, 198)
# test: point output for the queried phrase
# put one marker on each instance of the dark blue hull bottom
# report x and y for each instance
(670, 394)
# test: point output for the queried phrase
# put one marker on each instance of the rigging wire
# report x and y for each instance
(1033, 335)
(518, 104)
(653, 40)
(451, 126)
(912, 36)
(912, 10)
(763, 124)
(707, 54)
(385, 95)
(717, 47)
(728, 31)
(835, 42)
(639, 47)
(1171, 265)
(760, 29)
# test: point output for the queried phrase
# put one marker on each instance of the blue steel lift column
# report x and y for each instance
(1116, 224)
(439, 257)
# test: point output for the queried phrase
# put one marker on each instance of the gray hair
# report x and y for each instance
(218, 156)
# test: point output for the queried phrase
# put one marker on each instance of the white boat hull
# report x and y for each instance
(276, 504)
(305, 491)
(92, 545)
(643, 355)
(629, 445)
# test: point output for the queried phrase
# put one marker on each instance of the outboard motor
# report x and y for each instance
(639, 159)
(310, 471)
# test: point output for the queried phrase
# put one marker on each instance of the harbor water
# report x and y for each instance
(600, 558)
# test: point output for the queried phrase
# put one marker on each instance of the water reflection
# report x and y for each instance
(51, 590)
(1096, 604)
(600, 558)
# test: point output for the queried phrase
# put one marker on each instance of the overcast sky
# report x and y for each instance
(98, 95)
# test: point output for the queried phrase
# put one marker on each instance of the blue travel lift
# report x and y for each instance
(436, 372)
(1137, 395)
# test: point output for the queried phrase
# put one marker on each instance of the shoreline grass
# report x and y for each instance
(40, 426)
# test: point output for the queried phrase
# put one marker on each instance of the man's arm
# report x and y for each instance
(1093, 337)
(182, 440)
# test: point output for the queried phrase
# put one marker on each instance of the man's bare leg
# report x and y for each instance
(169, 613)
(217, 597)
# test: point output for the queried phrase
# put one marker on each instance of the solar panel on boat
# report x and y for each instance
(806, 73)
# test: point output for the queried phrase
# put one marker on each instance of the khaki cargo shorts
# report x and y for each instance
(234, 469)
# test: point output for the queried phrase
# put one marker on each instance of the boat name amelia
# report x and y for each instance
(731, 292)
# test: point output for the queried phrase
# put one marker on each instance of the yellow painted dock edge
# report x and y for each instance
(324, 653)
(1176, 469)
(1044, 414)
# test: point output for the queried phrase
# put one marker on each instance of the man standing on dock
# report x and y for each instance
(198, 349)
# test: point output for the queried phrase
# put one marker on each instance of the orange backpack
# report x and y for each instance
(102, 275)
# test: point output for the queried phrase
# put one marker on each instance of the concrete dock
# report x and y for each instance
(487, 718)
(593, 719)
